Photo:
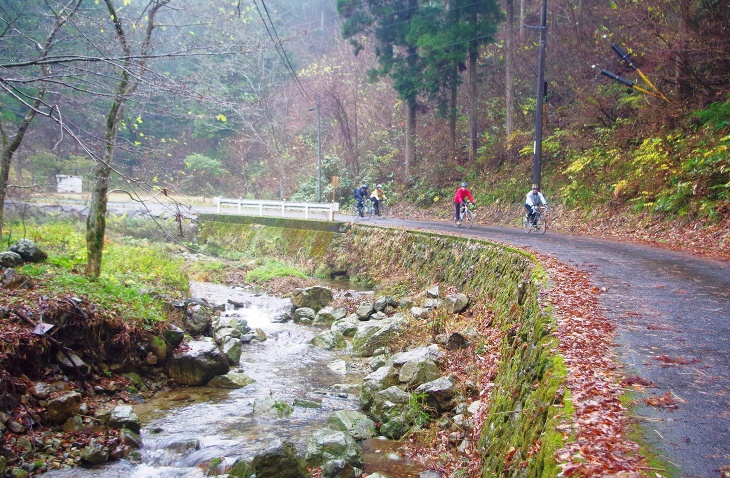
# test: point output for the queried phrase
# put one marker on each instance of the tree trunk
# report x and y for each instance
(522, 20)
(96, 221)
(410, 136)
(685, 89)
(9, 149)
(473, 102)
(509, 69)
(452, 123)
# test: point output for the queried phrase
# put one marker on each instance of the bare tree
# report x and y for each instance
(130, 72)
(31, 102)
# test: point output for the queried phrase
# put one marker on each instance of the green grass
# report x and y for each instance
(271, 269)
(133, 276)
(209, 270)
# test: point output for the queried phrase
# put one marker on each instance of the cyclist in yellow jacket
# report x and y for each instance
(376, 197)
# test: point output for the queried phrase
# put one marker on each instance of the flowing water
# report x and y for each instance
(184, 430)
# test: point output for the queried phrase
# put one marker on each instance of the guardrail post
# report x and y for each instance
(240, 205)
(217, 200)
(306, 211)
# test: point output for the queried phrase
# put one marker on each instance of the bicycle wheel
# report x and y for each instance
(355, 212)
(526, 226)
(541, 225)
(461, 215)
(468, 219)
(383, 210)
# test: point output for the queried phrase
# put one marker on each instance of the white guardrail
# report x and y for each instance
(279, 207)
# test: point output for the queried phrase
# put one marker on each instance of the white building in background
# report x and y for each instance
(68, 184)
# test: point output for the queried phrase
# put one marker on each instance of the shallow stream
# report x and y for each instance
(184, 430)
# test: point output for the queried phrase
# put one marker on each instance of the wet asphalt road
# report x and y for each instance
(672, 313)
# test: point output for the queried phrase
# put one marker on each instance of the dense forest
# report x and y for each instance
(247, 98)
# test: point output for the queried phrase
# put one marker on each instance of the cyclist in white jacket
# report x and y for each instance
(533, 199)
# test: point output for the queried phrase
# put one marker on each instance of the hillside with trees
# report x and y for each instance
(415, 95)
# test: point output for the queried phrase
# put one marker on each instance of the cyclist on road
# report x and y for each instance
(361, 194)
(534, 199)
(377, 197)
(463, 195)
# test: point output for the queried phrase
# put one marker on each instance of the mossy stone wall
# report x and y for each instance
(519, 436)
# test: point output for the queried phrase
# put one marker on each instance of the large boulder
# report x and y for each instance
(303, 314)
(269, 407)
(329, 340)
(232, 348)
(347, 326)
(158, 347)
(440, 394)
(340, 469)
(233, 322)
(10, 259)
(371, 336)
(231, 380)
(365, 311)
(94, 454)
(455, 303)
(197, 320)
(64, 406)
(124, 417)
(327, 445)
(279, 461)
(381, 304)
(418, 371)
(389, 403)
(71, 363)
(197, 363)
(316, 298)
(220, 335)
(382, 378)
(356, 424)
(28, 250)
(328, 315)
(173, 335)
(432, 352)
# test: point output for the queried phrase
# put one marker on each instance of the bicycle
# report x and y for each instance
(539, 222)
(466, 215)
(367, 210)
(383, 208)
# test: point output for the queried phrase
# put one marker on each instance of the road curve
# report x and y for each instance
(672, 313)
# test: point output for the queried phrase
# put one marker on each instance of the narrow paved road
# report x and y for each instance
(672, 312)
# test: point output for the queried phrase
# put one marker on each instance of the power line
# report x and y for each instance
(278, 44)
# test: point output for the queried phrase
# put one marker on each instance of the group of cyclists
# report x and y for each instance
(463, 195)
(362, 194)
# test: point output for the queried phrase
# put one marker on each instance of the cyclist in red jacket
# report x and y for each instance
(462, 195)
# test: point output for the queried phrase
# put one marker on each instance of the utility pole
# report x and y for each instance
(319, 152)
(319, 155)
(536, 161)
